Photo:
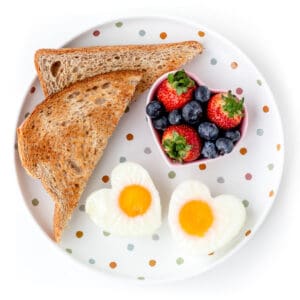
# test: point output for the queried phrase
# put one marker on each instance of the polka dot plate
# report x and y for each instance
(252, 171)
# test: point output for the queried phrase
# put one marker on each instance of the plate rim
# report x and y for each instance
(230, 252)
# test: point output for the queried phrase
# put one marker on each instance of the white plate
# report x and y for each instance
(252, 172)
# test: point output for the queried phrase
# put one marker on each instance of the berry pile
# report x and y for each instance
(193, 122)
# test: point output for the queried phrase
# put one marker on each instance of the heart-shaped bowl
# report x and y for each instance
(157, 135)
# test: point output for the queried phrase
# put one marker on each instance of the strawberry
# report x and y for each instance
(181, 143)
(225, 110)
(175, 91)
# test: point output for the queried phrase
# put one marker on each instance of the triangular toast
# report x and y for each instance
(58, 68)
(65, 136)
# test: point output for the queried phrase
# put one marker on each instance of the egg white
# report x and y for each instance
(103, 205)
(229, 216)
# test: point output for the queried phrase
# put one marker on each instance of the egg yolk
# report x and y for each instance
(134, 200)
(196, 217)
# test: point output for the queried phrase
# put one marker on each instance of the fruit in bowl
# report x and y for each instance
(192, 123)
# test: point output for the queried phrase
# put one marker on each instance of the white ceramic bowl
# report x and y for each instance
(157, 138)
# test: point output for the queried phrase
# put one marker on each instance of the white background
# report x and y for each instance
(268, 266)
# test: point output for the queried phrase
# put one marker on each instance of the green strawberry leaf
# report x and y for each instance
(180, 81)
(232, 105)
(176, 146)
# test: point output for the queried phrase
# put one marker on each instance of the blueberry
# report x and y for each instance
(175, 117)
(192, 112)
(202, 94)
(161, 123)
(208, 131)
(233, 135)
(224, 145)
(155, 109)
(209, 150)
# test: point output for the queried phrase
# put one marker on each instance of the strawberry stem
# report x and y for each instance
(180, 81)
(176, 147)
(232, 105)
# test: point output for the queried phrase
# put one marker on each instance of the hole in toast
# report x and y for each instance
(117, 57)
(105, 85)
(55, 68)
(73, 95)
(95, 87)
(75, 69)
(79, 76)
(100, 101)
(74, 166)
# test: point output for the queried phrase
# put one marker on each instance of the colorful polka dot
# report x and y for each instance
(155, 237)
(266, 109)
(220, 180)
(278, 147)
(106, 233)
(152, 262)
(243, 151)
(239, 91)
(247, 232)
(130, 247)
(248, 176)
(171, 174)
(79, 234)
(213, 61)
(234, 65)
(105, 178)
(127, 110)
(259, 82)
(147, 150)
(141, 278)
(202, 167)
(68, 250)
(271, 193)
(32, 90)
(26, 115)
(119, 24)
(35, 202)
(142, 32)
(96, 33)
(112, 264)
(211, 253)
(260, 132)
(245, 203)
(179, 261)
(201, 33)
(270, 167)
(92, 261)
(82, 207)
(163, 35)
(129, 136)
(122, 159)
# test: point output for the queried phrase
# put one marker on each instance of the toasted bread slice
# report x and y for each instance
(65, 136)
(58, 68)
